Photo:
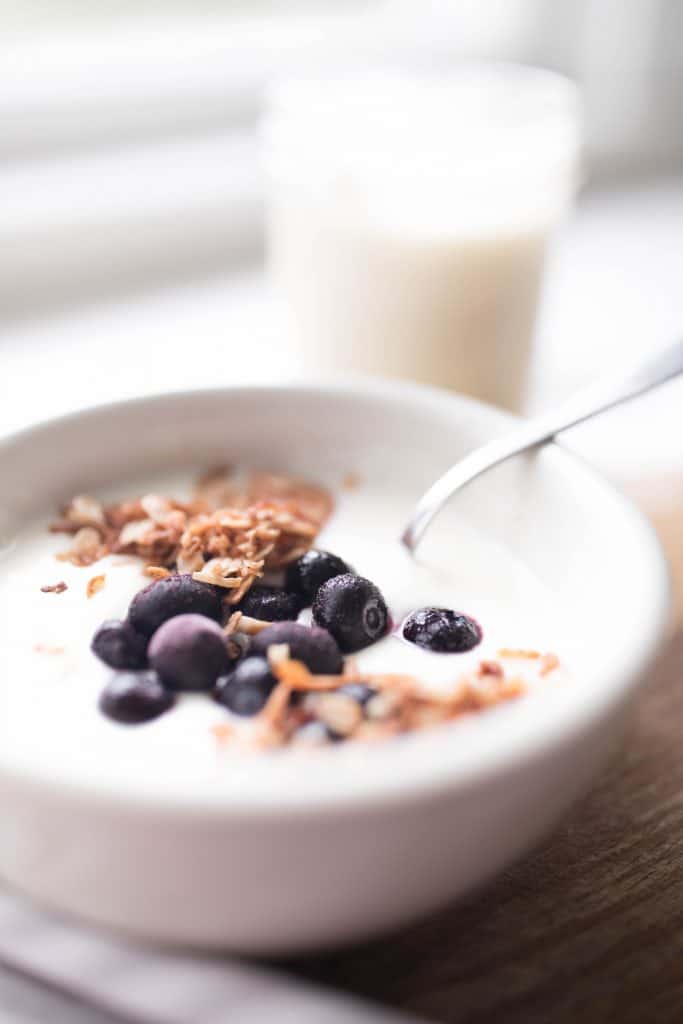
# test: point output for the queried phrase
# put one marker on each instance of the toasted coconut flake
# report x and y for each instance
(233, 624)
(514, 652)
(238, 594)
(273, 712)
(252, 626)
(236, 574)
(54, 588)
(293, 674)
(83, 510)
(156, 572)
(277, 654)
(190, 562)
(135, 532)
(156, 508)
(549, 662)
(95, 584)
(85, 549)
(340, 713)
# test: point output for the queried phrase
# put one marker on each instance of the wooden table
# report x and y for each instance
(589, 928)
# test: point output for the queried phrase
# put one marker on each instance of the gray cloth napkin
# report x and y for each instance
(73, 968)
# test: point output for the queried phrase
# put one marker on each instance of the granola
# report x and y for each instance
(229, 534)
(400, 704)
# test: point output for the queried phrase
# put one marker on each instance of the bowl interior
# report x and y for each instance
(585, 543)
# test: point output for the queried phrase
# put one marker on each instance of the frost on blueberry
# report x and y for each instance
(313, 646)
(353, 610)
(307, 574)
(270, 603)
(442, 630)
(189, 652)
(173, 595)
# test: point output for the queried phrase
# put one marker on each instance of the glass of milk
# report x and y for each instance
(409, 216)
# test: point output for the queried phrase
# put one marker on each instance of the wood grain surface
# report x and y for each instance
(588, 928)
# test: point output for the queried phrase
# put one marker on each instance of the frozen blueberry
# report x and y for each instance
(189, 652)
(135, 697)
(309, 572)
(270, 603)
(360, 692)
(310, 644)
(247, 688)
(353, 610)
(117, 644)
(442, 630)
(170, 596)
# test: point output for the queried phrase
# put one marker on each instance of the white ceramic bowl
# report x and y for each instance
(274, 857)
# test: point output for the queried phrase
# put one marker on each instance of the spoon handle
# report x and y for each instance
(590, 401)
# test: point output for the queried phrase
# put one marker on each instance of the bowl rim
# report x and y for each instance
(423, 763)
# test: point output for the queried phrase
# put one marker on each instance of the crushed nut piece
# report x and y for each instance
(54, 588)
(490, 668)
(95, 585)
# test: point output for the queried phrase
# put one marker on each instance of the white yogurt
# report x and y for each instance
(50, 682)
(409, 215)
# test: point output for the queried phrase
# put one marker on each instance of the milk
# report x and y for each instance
(442, 308)
(409, 219)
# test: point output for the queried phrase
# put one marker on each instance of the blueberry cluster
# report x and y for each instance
(170, 641)
(172, 638)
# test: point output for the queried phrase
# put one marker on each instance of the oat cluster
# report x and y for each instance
(229, 534)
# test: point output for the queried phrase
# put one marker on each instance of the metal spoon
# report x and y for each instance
(537, 431)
